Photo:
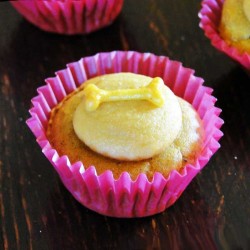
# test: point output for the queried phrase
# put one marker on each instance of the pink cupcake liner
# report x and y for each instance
(210, 16)
(124, 197)
(69, 16)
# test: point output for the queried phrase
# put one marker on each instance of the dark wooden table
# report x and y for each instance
(37, 212)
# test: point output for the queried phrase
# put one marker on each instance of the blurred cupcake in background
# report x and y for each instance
(69, 16)
(227, 24)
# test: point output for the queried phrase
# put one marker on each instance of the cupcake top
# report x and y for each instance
(235, 23)
(126, 122)
(127, 116)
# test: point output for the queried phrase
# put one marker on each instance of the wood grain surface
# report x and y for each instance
(37, 212)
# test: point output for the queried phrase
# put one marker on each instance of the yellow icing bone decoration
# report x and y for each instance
(94, 96)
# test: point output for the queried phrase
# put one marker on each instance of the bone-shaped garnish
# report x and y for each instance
(94, 96)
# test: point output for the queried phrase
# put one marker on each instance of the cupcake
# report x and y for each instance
(126, 131)
(69, 16)
(126, 122)
(226, 24)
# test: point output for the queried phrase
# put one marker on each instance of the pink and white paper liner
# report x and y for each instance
(210, 16)
(124, 197)
(69, 16)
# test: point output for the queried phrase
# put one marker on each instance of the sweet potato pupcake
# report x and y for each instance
(69, 17)
(93, 117)
(126, 122)
(235, 24)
